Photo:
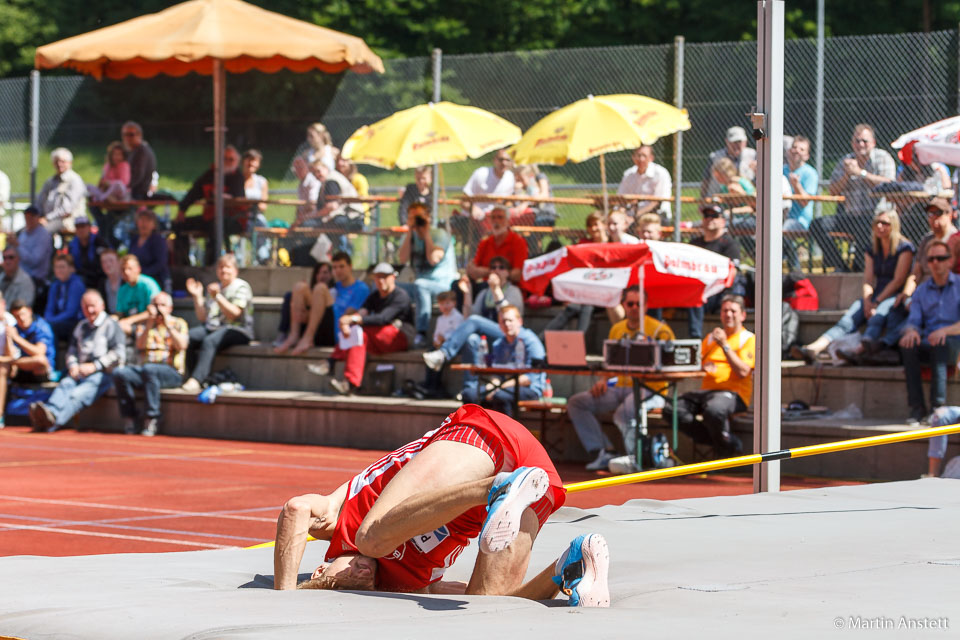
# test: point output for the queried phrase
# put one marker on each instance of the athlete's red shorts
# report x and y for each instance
(492, 446)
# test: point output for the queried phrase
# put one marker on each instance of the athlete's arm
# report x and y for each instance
(445, 587)
(312, 514)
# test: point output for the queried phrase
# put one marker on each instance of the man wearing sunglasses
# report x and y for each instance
(714, 238)
(616, 395)
(932, 333)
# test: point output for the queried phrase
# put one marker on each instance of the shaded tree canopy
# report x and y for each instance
(404, 28)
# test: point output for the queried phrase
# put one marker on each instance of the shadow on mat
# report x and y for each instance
(430, 603)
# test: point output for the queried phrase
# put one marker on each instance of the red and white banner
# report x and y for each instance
(597, 287)
(937, 142)
(675, 274)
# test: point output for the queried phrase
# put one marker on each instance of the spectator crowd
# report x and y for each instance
(104, 297)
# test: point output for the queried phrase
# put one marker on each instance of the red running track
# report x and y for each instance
(80, 493)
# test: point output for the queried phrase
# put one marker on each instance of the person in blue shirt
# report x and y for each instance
(519, 347)
(85, 250)
(63, 300)
(430, 251)
(38, 347)
(804, 181)
(310, 324)
(932, 332)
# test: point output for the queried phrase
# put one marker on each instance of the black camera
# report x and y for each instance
(419, 222)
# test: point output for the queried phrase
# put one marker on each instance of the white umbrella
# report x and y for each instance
(937, 142)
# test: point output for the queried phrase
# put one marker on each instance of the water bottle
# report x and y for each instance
(209, 395)
(547, 390)
(520, 354)
(484, 351)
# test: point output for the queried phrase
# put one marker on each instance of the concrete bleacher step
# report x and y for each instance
(386, 423)
(901, 461)
(879, 392)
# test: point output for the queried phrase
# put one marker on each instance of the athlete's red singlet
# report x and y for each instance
(424, 558)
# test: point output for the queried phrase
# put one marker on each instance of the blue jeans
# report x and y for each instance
(423, 291)
(939, 358)
(152, 376)
(465, 340)
(583, 408)
(941, 418)
(854, 318)
(71, 396)
(896, 322)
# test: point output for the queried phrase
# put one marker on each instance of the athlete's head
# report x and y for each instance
(350, 571)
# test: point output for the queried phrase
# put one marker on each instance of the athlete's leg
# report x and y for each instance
(444, 480)
(502, 573)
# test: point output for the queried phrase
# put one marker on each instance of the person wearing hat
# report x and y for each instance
(64, 195)
(738, 152)
(387, 325)
(714, 237)
(35, 245)
(85, 248)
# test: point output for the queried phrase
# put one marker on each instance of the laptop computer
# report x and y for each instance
(565, 349)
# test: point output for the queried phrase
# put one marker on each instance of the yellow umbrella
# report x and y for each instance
(430, 133)
(598, 125)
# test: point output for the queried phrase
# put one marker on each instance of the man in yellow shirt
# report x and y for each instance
(729, 356)
(602, 397)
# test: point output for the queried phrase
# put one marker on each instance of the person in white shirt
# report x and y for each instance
(497, 180)
(646, 177)
(450, 318)
(617, 223)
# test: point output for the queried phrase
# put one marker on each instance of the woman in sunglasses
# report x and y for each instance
(887, 265)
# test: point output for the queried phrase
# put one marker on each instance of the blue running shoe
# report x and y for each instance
(511, 493)
(581, 572)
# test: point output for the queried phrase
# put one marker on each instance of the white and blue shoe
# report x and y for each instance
(511, 493)
(581, 572)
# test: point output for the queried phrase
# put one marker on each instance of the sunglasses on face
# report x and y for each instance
(881, 223)
(711, 215)
(631, 303)
(938, 258)
(935, 213)
(10, 257)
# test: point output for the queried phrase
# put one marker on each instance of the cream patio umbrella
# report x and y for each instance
(209, 37)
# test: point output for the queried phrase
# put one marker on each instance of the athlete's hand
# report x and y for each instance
(599, 388)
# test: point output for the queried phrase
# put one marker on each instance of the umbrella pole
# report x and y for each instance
(603, 182)
(219, 125)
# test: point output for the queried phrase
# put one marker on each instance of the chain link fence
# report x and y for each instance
(893, 82)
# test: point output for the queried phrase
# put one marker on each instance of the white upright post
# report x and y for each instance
(219, 128)
(34, 132)
(678, 136)
(818, 134)
(435, 190)
(768, 131)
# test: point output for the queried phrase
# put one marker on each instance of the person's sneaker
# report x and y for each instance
(434, 359)
(129, 426)
(581, 572)
(41, 418)
(511, 493)
(192, 386)
(421, 341)
(623, 464)
(2, 422)
(321, 368)
(53, 428)
(150, 427)
(601, 462)
(916, 419)
(342, 387)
